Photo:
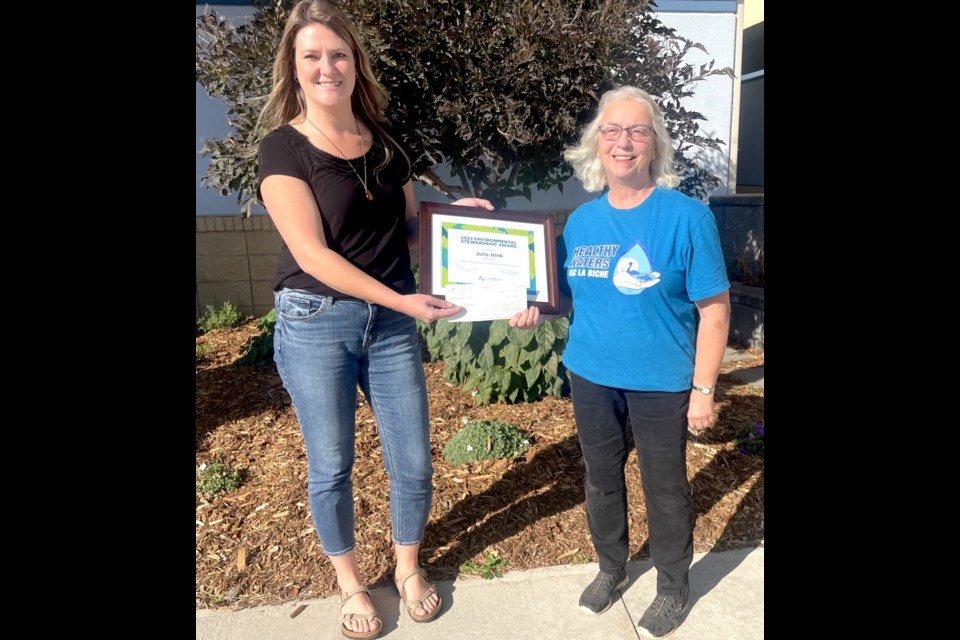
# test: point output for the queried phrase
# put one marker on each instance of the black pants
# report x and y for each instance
(659, 422)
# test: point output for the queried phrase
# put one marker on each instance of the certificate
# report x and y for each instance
(467, 247)
(495, 301)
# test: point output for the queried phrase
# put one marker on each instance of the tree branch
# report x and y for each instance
(511, 180)
(465, 182)
(430, 178)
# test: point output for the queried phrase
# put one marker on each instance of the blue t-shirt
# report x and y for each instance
(633, 275)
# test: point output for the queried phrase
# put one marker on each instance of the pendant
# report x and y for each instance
(369, 195)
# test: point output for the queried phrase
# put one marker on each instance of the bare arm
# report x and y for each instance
(294, 211)
(711, 341)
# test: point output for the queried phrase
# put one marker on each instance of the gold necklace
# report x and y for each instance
(362, 180)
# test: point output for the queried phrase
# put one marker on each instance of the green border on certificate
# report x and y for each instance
(490, 241)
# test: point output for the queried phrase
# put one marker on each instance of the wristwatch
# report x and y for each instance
(704, 390)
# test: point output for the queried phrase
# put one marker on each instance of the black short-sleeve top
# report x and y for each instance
(371, 234)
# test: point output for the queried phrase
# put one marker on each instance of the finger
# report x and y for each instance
(440, 304)
(444, 313)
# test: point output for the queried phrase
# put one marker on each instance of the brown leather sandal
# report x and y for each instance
(411, 604)
(344, 617)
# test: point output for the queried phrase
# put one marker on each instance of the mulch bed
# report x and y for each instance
(257, 545)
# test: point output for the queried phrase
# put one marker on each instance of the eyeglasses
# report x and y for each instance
(638, 132)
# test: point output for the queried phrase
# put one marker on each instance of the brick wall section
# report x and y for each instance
(746, 315)
(236, 261)
(740, 221)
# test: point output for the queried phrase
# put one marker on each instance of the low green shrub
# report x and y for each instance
(500, 363)
(223, 318)
(216, 477)
(485, 440)
(491, 567)
(258, 350)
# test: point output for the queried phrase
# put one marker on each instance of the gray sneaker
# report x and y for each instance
(598, 596)
(662, 617)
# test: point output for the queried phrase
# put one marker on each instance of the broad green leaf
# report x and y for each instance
(561, 328)
(498, 331)
(510, 354)
(504, 378)
(533, 374)
(551, 365)
(520, 337)
(546, 334)
(472, 380)
(486, 359)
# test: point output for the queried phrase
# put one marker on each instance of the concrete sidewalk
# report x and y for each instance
(726, 603)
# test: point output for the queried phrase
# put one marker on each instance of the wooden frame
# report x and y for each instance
(444, 229)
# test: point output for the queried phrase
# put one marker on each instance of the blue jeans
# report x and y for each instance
(659, 424)
(324, 348)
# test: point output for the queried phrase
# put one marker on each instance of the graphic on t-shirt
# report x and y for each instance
(633, 274)
(591, 261)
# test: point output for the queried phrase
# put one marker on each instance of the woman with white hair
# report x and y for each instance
(651, 313)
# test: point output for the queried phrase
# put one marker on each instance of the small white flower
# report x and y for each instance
(203, 465)
(469, 447)
(526, 443)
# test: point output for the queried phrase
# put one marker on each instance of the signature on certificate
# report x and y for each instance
(491, 272)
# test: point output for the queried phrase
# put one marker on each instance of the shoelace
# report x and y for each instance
(668, 602)
(603, 579)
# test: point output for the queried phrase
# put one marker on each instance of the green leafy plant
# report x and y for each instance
(223, 318)
(500, 363)
(581, 559)
(491, 567)
(749, 439)
(485, 440)
(217, 477)
(202, 350)
(258, 350)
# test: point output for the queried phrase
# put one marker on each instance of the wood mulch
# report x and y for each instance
(257, 545)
